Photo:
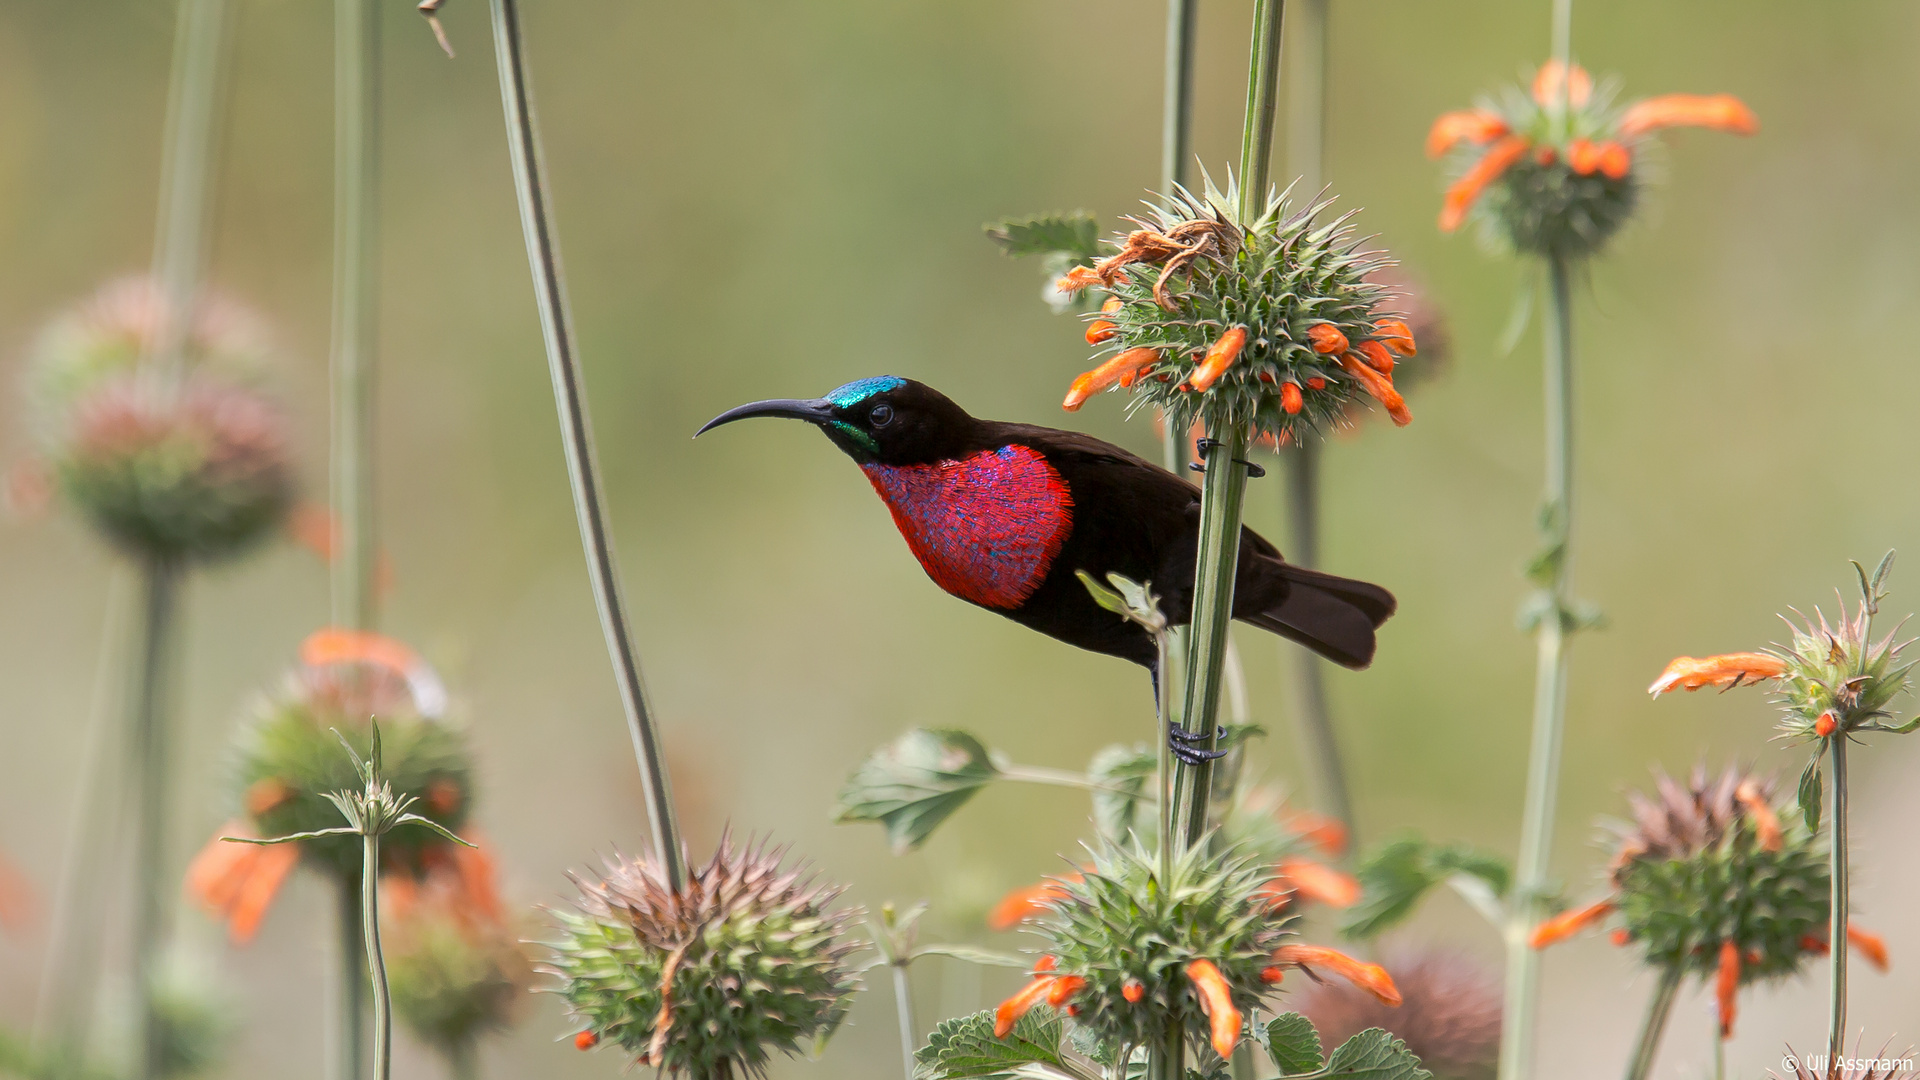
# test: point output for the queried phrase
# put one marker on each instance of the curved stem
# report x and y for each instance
(1659, 1007)
(1837, 910)
(556, 324)
(350, 1047)
(152, 757)
(376, 963)
(356, 230)
(903, 1004)
(1550, 687)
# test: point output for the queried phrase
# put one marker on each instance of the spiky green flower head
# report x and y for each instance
(289, 758)
(1130, 936)
(1272, 326)
(454, 978)
(707, 982)
(172, 461)
(1712, 862)
(1557, 171)
(1838, 679)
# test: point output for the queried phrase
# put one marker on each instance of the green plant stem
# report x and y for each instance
(463, 1061)
(356, 230)
(1163, 775)
(351, 1041)
(1168, 1061)
(556, 324)
(1659, 1007)
(376, 962)
(186, 164)
(1837, 909)
(152, 757)
(1176, 162)
(1550, 688)
(903, 1004)
(1035, 774)
(1263, 96)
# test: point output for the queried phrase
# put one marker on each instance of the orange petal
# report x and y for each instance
(1721, 112)
(1221, 356)
(1326, 339)
(1465, 125)
(1290, 400)
(1216, 1000)
(1765, 822)
(1728, 669)
(1621, 936)
(1112, 305)
(1101, 331)
(1396, 335)
(1021, 904)
(1615, 160)
(216, 873)
(1015, 1007)
(1726, 985)
(1380, 386)
(1871, 945)
(1065, 987)
(1463, 192)
(1377, 356)
(1078, 278)
(1133, 990)
(1369, 977)
(1814, 944)
(1316, 383)
(1568, 923)
(256, 894)
(1127, 365)
(1583, 157)
(1320, 883)
(1824, 725)
(1550, 85)
(479, 891)
(1272, 975)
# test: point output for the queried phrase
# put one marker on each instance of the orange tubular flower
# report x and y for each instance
(1395, 334)
(1101, 331)
(1017, 1006)
(1377, 356)
(1568, 923)
(1021, 904)
(1121, 370)
(1726, 986)
(1583, 156)
(1765, 822)
(1871, 945)
(1381, 387)
(237, 882)
(1369, 977)
(1318, 882)
(1466, 125)
(1551, 86)
(1065, 987)
(1327, 340)
(1615, 160)
(1224, 352)
(585, 1040)
(1273, 976)
(1721, 112)
(1078, 278)
(1216, 1000)
(1728, 670)
(1291, 402)
(1461, 195)
(337, 646)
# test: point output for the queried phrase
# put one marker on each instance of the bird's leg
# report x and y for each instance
(1186, 744)
(1254, 472)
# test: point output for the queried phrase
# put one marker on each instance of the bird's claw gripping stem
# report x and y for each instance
(1254, 472)
(1185, 745)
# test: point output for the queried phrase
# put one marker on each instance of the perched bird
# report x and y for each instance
(1001, 515)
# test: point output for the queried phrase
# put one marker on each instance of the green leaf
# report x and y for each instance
(964, 1047)
(1397, 874)
(914, 783)
(973, 954)
(1462, 859)
(1811, 791)
(1102, 595)
(1374, 1054)
(1076, 234)
(1131, 769)
(1292, 1043)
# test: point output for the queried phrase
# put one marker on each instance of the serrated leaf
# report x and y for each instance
(1463, 859)
(1075, 234)
(1393, 878)
(964, 1048)
(1811, 792)
(1292, 1043)
(915, 782)
(1374, 1054)
(1131, 809)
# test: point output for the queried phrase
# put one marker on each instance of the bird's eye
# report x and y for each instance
(881, 415)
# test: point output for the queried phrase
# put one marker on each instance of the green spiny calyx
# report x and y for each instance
(748, 958)
(1272, 325)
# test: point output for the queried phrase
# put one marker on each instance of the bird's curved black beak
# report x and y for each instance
(816, 411)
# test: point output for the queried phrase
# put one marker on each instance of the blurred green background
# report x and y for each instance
(769, 197)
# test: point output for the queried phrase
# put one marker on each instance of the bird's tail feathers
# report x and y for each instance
(1333, 616)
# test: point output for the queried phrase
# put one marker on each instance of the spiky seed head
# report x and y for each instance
(1276, 278)
(289, 759)
(190, 464)
(1700, 866)
(706, 982)
(1131, 935)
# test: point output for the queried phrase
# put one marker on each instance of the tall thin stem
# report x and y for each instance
(376, 962)
(1550, 687)
(350, 1047)
(152, 757)
(1659, 1007)
(1176, 162)
(1263, 97)
(903, 1004)
(556, 324)
(1837, 910)
(356, 311)
(186, 163)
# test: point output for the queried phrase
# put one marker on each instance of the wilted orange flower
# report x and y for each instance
(1380, 386)
(1369, 977)
(1728, 670)
(1568, 923)
(1121, 371)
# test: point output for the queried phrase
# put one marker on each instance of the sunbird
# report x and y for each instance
(1001, 515)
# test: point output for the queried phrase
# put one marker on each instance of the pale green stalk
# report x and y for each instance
(186, 168)
(1176, 161)
(150, 729)
(556, 324)
(376, 962)
(1659, 1007)
(903, 1004)
(1837, 901)
(350, 1041)
(1550, 688)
